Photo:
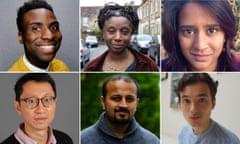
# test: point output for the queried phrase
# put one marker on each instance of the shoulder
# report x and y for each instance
(89, 132)
(225, 134)
(90, 135)
(62, 137)
(185, 132)
(149, 136)
(19, 65)
(164, 65)
(237, 59)
(96, 64)
(10, 140)
(58, 65)
(144, 63)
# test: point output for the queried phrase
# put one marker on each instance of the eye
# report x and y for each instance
(125, 31)
(111, 31)
(54, 27)
(212, 30)
(116, 99)
(130, 99)
(187, 32)
(31, 101)
(185, 101)
(36, 28)
(202, 100)
(48, 99)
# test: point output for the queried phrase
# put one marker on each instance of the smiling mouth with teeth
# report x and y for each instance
(47, 47)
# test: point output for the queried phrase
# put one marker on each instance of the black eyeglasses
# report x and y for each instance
(34, 102)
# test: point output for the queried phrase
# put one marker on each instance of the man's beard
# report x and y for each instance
(121, 120)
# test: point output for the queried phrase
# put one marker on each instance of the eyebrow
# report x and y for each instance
(191, 26)
(199, 95)
(40, 23)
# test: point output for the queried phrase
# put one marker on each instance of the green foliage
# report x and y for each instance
(148, 110)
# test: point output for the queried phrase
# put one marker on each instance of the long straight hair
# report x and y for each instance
(225, 17)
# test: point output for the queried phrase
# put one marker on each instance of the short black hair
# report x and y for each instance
(30, 5)
(192, 78)
(113, 9)
(118, 77)
(38, 77)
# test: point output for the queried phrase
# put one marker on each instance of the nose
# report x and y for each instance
(193, 108)
(200, 41)
(47, 33)
(40, 107)
(117, 36)
(123, 103)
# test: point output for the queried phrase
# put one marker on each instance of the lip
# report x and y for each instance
(47, 48)
(194, 117)
(201, 57)
(40, 119)
(122, 113)
(117, 46)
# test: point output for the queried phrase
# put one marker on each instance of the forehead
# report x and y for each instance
(39, 15)
(117, 21)
(121, 85)
(193, 13)
(196, 89)
(36, 85)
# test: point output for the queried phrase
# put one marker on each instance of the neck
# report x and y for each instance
(118, 56)
(118, 62)
(39, 64)
(118, 129)
(200, 129)
(210, 68)
(40, 136)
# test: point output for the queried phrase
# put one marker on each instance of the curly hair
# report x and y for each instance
(30, 5)
(113, 9)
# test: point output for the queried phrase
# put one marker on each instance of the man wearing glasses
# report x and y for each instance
(36, 102)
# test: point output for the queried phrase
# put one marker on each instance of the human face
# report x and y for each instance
(196, 105)
(40, 117)
(117, 34)
(200, 36)
(120, 102)
(41, 36)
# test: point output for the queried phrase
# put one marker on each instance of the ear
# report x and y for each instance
(20, 37)
(213, 103)
(17, 107)
(102, 102)
(138, 99)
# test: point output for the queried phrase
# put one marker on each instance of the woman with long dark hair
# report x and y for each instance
(198, 35)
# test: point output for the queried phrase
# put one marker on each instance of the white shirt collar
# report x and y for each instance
(33, 67)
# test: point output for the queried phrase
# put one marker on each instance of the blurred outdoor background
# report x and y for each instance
(148, 110)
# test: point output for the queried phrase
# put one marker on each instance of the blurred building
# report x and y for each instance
(149, 15)
(88, 19)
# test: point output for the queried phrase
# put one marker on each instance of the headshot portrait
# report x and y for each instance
(118, 24)
(207, 107)
(39, 108)
(40, 35)
(124, 108)
(200, 35)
